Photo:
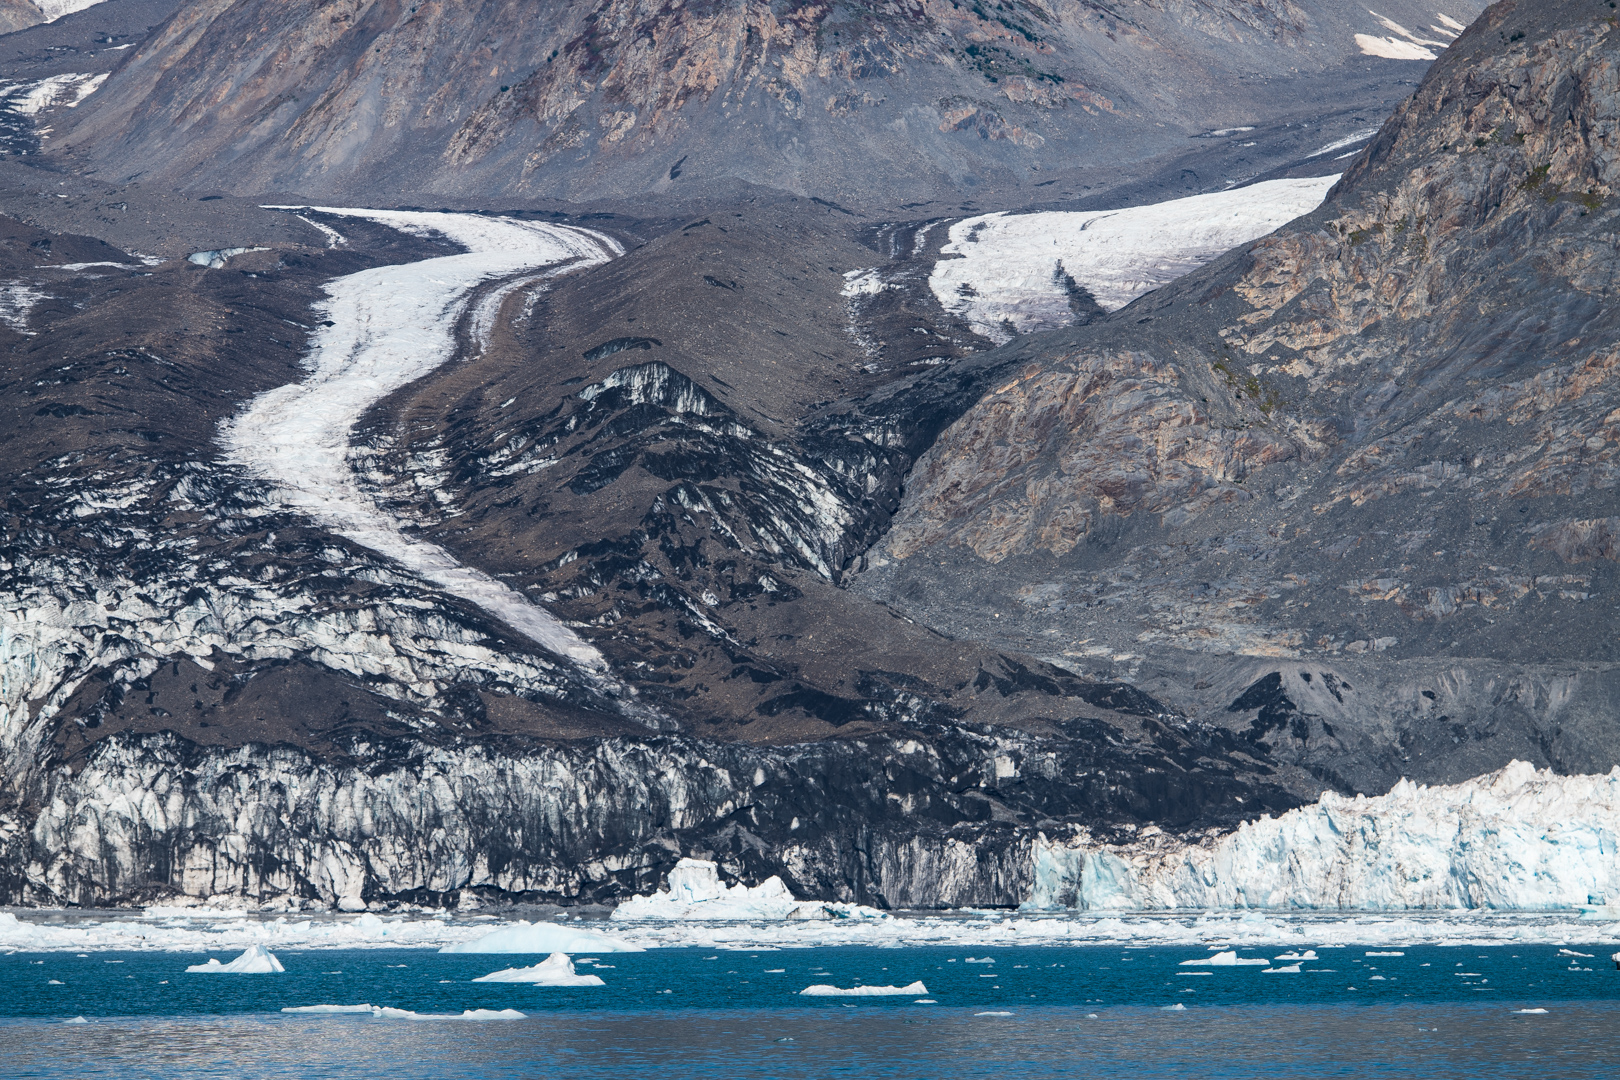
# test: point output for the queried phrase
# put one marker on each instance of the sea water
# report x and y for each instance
(1097, 1011)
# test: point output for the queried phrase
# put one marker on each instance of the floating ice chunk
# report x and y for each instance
(255, 960)
(1290, 969)
(1229, 958)
(925, 1001)
(328, 1010)
(1530, 1012)
(554, 970)
(980, 960)
(213, 260)
(82, 1020)
(696, 893)
(55, 982)
(1391, 952)
(1177, 1007)
(1566, 952)
(1308, 954)
(525, 937)
(823, 990)
(992, 1014)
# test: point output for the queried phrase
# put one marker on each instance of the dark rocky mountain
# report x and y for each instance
(892, 602)
(863, 104)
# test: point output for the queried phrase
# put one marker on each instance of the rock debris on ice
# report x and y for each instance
(696, 893)
(1015, 272)
(255, 960)
(1512, 840)
(555, 970)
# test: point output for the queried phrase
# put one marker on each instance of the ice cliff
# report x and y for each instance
(1515, 839)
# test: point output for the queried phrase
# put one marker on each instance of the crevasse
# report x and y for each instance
(1516, 839)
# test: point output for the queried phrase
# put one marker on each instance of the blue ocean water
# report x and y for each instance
(1037, 1012)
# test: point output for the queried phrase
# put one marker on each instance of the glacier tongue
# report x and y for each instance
(1512, 840)
(389, 326)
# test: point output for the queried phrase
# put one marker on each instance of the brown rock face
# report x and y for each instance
(592, 98)
(1390, 427)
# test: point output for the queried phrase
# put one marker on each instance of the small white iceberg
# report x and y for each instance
(524, 937)
(992, 1014)
(1177, 1007)
(255, 960)
(82, 1020)
(823, 990)
(1227, 959)
(1308, 954)
(1529, 1012)
(216, 259)
(980, 960)
(1290, 969)
(696, 894)
(554, 970)
(1387, 953)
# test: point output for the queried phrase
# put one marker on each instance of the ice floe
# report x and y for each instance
(554, 970)
(1016, 273)
(825, 990)
(1229, 958)
(526, 937)
(1287, 969)
(389, 326)
(255, 960)
(1513, 840)
(696, 893)
(383, 1012)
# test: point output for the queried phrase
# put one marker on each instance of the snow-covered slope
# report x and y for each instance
(1014, 270)
(1515, 839)
(386, 327)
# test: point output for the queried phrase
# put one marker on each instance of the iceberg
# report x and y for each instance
(525, 937)
(1517, 839)
(328, 1010)
(255, 960)
(824, 990)
(1230, 958)
(696, 893)
(554, 970)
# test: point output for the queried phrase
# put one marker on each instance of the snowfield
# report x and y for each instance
(391, 325)
(1009, 273)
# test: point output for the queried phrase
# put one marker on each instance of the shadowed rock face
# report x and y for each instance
(1386, 428)
(855, 103)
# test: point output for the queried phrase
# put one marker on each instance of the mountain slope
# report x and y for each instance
(1387, 428)
(856, 103)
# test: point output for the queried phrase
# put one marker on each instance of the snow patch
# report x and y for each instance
(217, 258)
(1014, 271)
(17, 302)
(67, 90)
(1392, 48)
(255, 960)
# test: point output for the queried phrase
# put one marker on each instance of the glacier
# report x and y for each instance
(386, 327)
(1517, 839)
(1008, 273)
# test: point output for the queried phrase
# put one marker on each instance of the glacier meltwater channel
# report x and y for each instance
(387, 327)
